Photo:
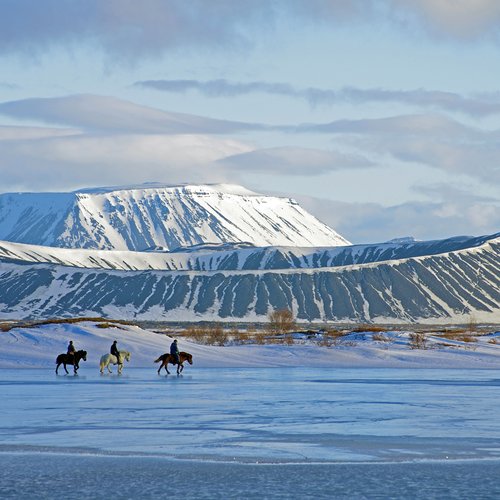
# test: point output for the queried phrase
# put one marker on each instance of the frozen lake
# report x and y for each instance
(223, 429)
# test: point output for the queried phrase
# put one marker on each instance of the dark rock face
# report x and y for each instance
(463, 280)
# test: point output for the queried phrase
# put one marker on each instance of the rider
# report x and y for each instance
(115, 352)
(174, 351)
(71, 349)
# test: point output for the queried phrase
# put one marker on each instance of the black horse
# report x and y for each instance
(68, 359)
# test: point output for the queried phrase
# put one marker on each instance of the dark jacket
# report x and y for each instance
(114, 350)
(174, 349)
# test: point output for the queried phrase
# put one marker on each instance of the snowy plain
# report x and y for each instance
(368, 419)
(38, 347)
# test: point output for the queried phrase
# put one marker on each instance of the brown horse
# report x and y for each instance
(168, 358)
(68, 359)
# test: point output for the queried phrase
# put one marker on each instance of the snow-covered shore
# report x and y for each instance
(38, 347)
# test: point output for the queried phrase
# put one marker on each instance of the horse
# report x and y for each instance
(169, 358)
(71, 359)
(110, 359)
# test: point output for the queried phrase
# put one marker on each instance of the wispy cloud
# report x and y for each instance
(479, 105)
(101, 113)
(432, 140)
(41, 159)
(294, 161)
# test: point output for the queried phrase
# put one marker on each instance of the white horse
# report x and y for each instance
(110, 359)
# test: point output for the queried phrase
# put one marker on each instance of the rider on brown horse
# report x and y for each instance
(174, 351)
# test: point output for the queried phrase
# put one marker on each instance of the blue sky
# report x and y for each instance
(381, 117)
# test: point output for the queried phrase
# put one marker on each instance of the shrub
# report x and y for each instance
(196, 334)
(417, 341)
(216, 335)
(380, 337)
(281, 321)
(368, 328)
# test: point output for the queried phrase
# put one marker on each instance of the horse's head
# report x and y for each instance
(83, 355)
(127, 356)
(189, 358)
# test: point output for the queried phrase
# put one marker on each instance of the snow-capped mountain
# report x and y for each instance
(148, 216)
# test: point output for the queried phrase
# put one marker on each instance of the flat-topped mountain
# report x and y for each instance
(152, 216)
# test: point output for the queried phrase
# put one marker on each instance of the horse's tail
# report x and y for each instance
(161, 358)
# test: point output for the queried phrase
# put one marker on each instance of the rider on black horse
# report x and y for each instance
(174, 351)
(115, 352)
(71, 349)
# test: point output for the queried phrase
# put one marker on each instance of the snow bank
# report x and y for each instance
(38, 347)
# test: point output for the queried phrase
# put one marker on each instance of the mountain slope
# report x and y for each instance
(444, 287)
(234, 256)
(138, 218)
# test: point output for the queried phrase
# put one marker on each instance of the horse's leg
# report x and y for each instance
(109, 369)
(57, 367)
(166, 367)
(65, 369)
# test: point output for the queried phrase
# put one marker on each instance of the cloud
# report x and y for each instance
(475, 106)
(432, 140)
(421, 125)
(129, 31)
(436, 219)
(109, 114)
(455, 19)
(51, 161)
(294, 161)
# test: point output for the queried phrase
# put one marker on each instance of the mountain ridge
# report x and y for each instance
(170, 217)
(447, 287)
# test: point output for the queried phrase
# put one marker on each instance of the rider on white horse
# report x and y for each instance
(115, 352)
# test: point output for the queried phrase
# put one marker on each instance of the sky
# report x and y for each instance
(380, 117)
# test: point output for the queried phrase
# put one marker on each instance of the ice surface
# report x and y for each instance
(241, 431)
(263, 415)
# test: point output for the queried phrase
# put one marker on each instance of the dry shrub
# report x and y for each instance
(57, 321)
(334, 334)
(260, 338)
(381, 337)
(468, 338)
(216, 335)
(196, 334)
(281, 321)
(368, 328)
(458, 335)
(417, 341)
(326, 341)
(108, 325)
